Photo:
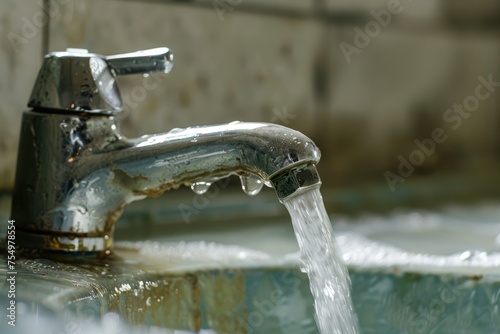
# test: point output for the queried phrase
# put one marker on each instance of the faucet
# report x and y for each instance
(76, 172)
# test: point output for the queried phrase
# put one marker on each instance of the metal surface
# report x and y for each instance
(76, 172)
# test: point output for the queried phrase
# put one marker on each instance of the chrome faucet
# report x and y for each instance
(76, 172)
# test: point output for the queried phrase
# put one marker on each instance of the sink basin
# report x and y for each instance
(138, 288)
(422, 272)
(414, 272)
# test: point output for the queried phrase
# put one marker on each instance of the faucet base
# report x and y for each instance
(67, 242)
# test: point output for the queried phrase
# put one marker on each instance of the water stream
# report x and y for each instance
(322, 260)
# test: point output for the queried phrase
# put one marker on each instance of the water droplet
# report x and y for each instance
(200, 187)
(268, 184)
(251, 184)
(176, 130)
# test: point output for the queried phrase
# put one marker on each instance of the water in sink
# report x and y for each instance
(322, 260)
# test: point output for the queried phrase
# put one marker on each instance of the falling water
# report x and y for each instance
(322, 260)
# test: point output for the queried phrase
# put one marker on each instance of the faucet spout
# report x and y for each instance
(156, 163)
(86, 172)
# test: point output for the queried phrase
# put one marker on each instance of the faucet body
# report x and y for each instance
(76, 172)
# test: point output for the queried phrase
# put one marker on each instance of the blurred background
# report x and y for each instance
(402, 97)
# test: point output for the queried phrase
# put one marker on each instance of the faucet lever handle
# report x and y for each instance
(78, 81)
(142, 62)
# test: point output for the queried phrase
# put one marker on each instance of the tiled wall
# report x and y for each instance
(20, 54)
(285, 62)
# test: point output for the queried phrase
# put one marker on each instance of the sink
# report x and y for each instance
(411, 272)
(425, 272)
(137, 289)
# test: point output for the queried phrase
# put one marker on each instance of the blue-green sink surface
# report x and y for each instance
(411, 272)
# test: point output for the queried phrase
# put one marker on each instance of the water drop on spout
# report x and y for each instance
(176, 130)
(200, 187)
(251, 184)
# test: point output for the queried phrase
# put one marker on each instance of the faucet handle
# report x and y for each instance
(79, 81)
(142, 62)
